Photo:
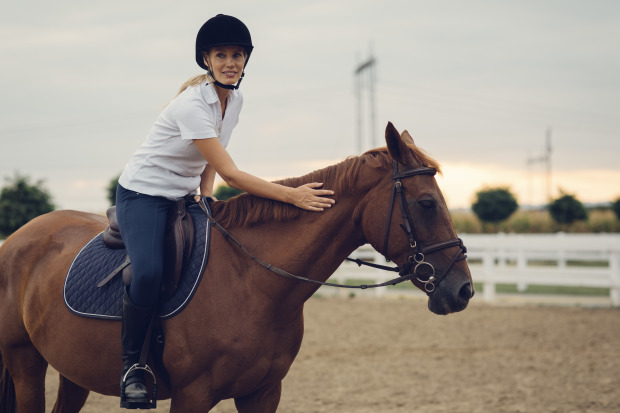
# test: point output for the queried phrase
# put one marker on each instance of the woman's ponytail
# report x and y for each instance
(195, 81)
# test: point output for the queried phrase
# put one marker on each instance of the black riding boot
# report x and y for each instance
(135, 325)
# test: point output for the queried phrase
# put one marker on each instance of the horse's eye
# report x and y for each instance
(427, 203)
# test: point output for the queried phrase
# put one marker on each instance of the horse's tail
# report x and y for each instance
(8, 401)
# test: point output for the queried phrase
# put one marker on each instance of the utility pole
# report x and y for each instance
(548, 163)
(365, 77)
(546, 160)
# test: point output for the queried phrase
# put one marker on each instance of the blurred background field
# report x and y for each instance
(537, 221)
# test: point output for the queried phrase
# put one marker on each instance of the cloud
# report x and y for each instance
(477, 83)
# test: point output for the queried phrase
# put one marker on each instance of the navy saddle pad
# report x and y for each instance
(95, 261)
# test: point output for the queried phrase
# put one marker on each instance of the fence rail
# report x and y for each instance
(571, 260)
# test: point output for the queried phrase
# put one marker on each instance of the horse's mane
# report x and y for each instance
(250, 210)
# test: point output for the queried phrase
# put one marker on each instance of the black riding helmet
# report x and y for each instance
(223, 30)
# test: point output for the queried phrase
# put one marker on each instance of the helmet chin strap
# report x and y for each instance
(229, 87)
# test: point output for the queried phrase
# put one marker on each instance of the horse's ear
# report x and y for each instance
(397, 147)
(407, 137)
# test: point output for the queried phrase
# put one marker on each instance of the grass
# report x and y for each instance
(547, 290)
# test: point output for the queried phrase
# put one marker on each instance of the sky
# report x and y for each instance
(479, 84)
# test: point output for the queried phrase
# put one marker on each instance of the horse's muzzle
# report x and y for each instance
(445, 300)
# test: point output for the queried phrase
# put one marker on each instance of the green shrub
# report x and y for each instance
(567, 209)
(21, 201)
(494, 205)
(615, 206)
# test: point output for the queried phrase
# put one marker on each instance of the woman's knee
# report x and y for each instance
(144, 291)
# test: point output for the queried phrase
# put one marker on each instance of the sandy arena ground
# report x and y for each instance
(391, 355)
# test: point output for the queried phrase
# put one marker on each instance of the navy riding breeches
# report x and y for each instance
(142, 221)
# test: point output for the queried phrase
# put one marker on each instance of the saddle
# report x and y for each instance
(179, 244)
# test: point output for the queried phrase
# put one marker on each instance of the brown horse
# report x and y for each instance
(239, 335)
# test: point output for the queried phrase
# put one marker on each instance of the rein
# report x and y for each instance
(415, 260)
(287, 274)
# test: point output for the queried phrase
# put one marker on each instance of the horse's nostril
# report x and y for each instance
(466, 292)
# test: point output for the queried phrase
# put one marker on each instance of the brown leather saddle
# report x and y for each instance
(179, 244)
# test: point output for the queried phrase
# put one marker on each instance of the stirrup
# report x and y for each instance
(151, 404)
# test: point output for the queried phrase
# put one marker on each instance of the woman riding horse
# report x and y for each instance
(184, 150)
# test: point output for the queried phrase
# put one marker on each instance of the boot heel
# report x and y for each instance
(144, 402)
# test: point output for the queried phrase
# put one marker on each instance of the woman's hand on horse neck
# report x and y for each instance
(307, 196)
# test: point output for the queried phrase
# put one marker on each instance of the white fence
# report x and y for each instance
(571, 260)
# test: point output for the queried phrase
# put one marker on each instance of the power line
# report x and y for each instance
(501, 110)
(495, 101)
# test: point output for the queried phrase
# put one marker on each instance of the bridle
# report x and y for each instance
(416, 260)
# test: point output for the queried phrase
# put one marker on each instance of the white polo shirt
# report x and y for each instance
(168, 163)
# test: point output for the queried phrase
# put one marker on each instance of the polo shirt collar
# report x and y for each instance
(210, 95)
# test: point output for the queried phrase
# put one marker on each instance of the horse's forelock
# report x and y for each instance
(424, 159)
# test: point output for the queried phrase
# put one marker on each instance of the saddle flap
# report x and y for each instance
(179, 244)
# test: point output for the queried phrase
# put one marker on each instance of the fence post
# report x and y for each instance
(614, 268)
(521, 268)
(561, 236)
(488, 263)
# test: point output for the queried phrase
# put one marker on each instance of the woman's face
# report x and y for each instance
(226, 63)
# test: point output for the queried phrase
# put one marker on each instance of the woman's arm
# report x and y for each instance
(206, 181)
(305, 196)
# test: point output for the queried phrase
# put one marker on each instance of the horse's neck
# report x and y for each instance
(316, 239)
(311, 246)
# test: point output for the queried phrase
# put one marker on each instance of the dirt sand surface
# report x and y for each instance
(367, 355)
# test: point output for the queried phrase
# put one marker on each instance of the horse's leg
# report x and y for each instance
(27, 368)
(265, 400)
(71, 397)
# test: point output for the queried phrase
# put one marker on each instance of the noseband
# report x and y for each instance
(417, 258)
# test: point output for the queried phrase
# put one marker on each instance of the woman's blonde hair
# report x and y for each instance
(195, 81)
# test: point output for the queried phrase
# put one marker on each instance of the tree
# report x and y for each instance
(567, 209)
(615, 206)
(111, 190)
(494, 205)
(224, 192)
(21, 201)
